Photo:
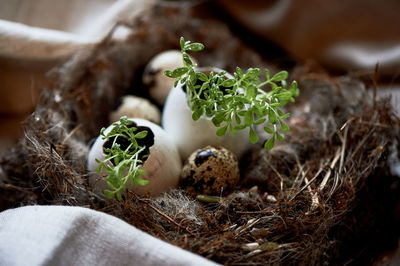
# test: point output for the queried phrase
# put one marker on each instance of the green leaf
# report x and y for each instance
(242, 112)
(272, 117)
(218, 119)
(253, 136)
(222, 130)
(269, 144)
(248, 118)
(269, 130)
(274, 86)
(118, 194)
(294, 89)
(284, 116)
(259, 110)
(253, 72)
(140, 172)
(285, 127)
(124, 120)
(109, 194)
(196, 115)
(182, 42)
(251, 91)
(284, 96)
(195, 47)
(102, 131)
(179, 72)
(237, 119)
(280, 76)
(98, 168)
(239, 72)
(142, 182)
(228, 83)
(279, 136)
(186, 59)
(259, 121)
(201, 76)
(240, 127)
(267, 74)
(168, 73)
(141, 134)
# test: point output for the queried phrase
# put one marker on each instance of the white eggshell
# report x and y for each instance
(189, 135)
(136, 107)
(154, 77)
(163, 166)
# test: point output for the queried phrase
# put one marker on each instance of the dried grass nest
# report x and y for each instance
(326, 195)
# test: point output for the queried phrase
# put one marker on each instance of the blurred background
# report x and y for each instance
(341, 37)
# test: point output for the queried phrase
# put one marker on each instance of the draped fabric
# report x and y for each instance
(342, 35)
(60, 235)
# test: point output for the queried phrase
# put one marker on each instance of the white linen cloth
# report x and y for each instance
(61, 235)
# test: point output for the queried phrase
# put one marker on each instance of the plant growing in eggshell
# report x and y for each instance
(229, 103)
(136, 154)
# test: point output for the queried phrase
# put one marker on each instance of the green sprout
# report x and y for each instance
(239, 102)
(124, 156)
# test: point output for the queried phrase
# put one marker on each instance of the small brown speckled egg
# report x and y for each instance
(210, 171)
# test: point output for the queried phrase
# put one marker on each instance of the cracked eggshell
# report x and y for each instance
(189, 135)
(154, 77)
(136, 107)
(163, 166)
(210, 171)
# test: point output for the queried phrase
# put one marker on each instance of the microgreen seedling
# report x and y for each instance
(239, 102)
(122, 162)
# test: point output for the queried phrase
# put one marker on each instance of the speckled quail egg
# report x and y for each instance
(153, 77)
(210, 171)
(136, 107)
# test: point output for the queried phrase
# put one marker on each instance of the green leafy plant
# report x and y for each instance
(239, 102)
(124, 156)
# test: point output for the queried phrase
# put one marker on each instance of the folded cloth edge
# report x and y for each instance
(64, 235)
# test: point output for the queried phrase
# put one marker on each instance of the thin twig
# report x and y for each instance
(276, 172)
(250, 223)
(263, 211)
(314, 199)
(72, 133)
(375, 124)
(328, 174)
(300, 173)
(342, 155)
(13, 187)
(361, 143)
(308, 183)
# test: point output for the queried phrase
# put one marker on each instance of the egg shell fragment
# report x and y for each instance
(136, 107)
(210, 171)
(163, 166)
(153, 76)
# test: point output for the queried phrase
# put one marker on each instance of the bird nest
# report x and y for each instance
(327, 194)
